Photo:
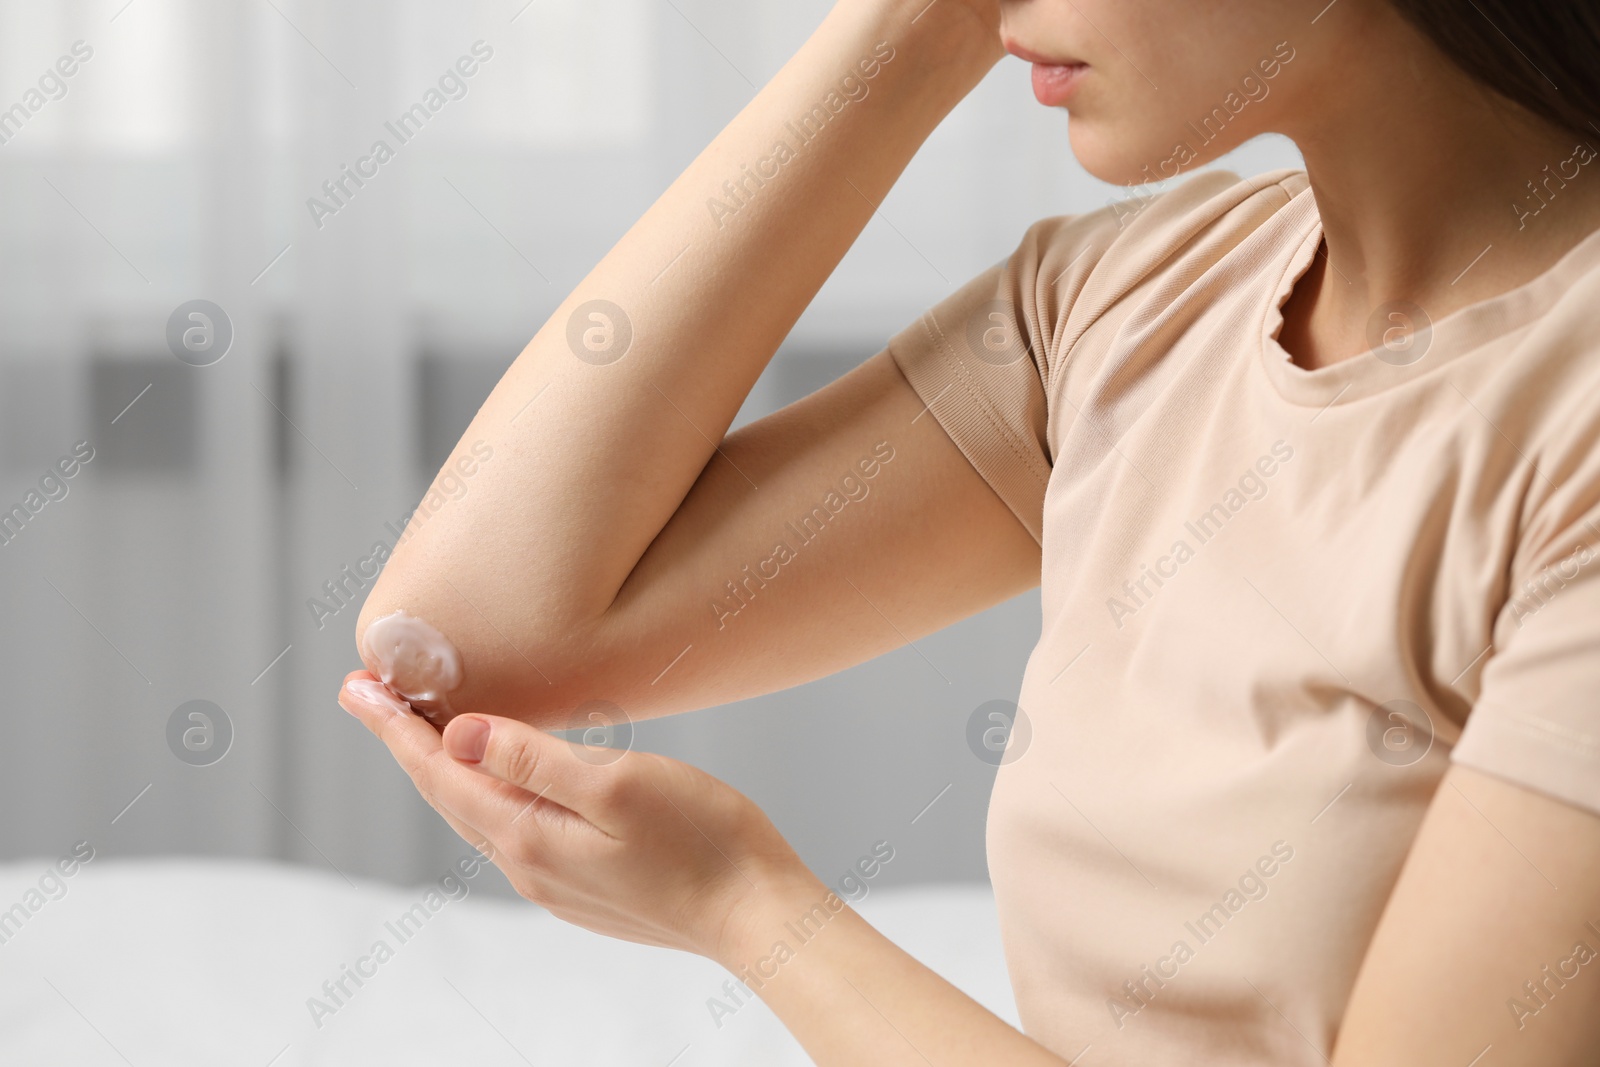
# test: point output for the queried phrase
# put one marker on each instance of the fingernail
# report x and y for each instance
(376, 695)
(468, 739)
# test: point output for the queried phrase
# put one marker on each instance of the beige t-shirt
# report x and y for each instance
(1276, 603)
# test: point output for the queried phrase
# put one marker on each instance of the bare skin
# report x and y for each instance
(1433, 224)
(582, 563)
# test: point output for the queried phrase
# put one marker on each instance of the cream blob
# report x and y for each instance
(414, 660)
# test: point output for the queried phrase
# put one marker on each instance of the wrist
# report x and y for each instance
(946, 42)
(770, 919)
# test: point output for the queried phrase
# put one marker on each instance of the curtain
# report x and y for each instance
(229, 471)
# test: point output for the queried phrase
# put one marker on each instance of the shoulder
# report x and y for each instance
(1528, 394)
(1076, 267)
(1543, 388)
(1069, 270)
(1164, 218)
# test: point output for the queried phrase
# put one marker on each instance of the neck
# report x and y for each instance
(1431, 190)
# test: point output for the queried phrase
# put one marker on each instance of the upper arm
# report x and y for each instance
(1490, 944)
(902, 497)
(829, 532)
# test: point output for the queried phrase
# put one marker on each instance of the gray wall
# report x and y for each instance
(177, 166)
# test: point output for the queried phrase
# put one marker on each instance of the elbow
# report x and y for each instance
(453, 642)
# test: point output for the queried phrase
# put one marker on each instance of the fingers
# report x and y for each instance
(371, 697)
(411, 739)
(416, 746)
(519, 755)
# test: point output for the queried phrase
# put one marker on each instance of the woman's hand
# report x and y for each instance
(648, 849)
(627, 844)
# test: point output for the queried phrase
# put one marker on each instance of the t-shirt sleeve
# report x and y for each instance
(982, 358)
(989, 359)
(1537, 718)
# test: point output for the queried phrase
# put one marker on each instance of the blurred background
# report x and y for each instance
(175, 163)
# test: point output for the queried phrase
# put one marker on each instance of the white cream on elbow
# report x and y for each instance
(415, 661)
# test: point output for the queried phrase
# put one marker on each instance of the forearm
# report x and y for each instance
(852, 997)
(592, 458)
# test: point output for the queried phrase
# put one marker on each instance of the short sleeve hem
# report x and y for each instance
(1011, 467)
(1534, 753)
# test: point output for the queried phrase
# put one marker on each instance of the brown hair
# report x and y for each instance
(1541, 54)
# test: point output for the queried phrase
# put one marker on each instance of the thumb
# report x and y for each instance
(520, 755)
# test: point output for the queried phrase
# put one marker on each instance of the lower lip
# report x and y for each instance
(1054, 84)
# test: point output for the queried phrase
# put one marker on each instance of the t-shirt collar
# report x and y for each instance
(1407, 344)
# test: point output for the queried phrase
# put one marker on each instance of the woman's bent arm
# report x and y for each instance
(592, 550)
(1486, 951)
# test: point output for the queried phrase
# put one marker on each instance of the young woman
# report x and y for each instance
(1308, 466)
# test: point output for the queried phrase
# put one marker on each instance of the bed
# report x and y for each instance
(180, 962)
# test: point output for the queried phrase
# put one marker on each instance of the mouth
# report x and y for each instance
(1055, 79)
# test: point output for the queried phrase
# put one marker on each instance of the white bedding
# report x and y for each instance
(186, 962)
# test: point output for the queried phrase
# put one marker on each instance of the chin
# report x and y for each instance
(1112, 154)
(1133, 154)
